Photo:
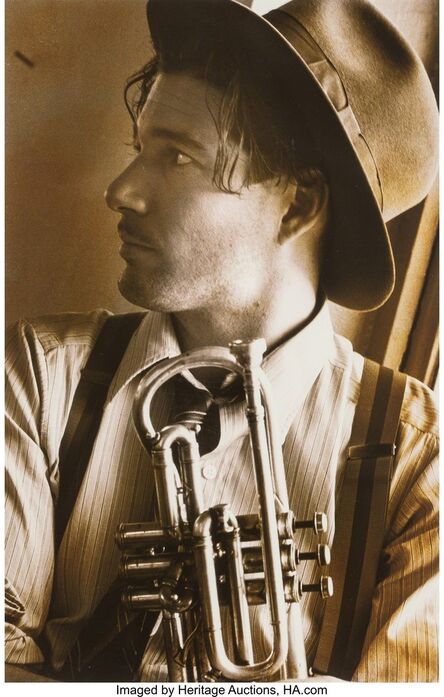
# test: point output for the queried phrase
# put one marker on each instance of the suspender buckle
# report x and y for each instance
(371, 451)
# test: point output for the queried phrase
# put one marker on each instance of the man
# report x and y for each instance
(269, 152)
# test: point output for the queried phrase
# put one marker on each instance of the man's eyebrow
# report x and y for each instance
(178, 136)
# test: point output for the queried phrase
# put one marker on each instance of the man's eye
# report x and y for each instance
(182, 159)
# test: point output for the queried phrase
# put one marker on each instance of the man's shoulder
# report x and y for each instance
(419, 408)
(59, 331)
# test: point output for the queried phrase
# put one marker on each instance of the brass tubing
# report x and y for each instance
(190, 657)
(175, 607)
(165, 471)
(296, 664)
(133, 535)
(201, 664)
(214, 356)
(203, 552)
(145, 567)
(189, 457)
(275, 448)
(266, 488)
(166, 476)
(141, 599)
(297, 659)
(174, 641)
(173, 601)
(239, 603)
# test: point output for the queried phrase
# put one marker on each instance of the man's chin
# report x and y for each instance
(131, 292)
(142, 296)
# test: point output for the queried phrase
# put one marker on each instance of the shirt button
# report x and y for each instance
(209, 471)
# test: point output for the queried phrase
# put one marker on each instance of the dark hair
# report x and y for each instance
(254, 115)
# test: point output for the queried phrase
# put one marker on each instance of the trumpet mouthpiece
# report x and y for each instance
(248, 353)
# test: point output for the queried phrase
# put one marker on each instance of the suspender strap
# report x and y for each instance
(360, 520)
(86, 411)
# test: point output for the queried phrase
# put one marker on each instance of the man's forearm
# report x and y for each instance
(25, 673)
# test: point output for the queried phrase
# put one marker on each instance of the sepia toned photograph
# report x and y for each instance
(221, 300)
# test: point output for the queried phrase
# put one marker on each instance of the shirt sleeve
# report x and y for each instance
(401, 644)
(43, 361)
(29, 489)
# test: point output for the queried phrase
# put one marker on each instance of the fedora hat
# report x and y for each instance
(369, 105)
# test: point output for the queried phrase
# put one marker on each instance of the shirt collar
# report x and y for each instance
(153, 340)
(292, 367)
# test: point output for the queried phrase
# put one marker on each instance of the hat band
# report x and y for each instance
(328, 78)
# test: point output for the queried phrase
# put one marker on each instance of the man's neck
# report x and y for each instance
(274, 320)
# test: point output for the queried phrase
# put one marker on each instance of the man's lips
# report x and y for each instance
(131, 238)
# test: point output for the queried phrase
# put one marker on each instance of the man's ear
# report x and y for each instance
(308, 210)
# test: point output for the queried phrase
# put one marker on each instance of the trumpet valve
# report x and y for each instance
(324, 587)
(318, 523)
(322, 555)
(143, 535)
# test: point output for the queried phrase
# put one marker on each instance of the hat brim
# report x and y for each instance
(358, 269)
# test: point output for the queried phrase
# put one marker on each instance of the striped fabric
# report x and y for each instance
(316, 379)
(360, 520)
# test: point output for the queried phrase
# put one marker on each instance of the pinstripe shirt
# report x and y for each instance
(316, 380)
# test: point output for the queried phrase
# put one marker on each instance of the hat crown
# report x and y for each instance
(386, 88)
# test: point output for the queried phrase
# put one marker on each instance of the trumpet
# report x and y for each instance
(192, 560)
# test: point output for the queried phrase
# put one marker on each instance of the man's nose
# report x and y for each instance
(127, 192)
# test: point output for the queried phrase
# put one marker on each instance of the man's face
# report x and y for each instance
(187, 244)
